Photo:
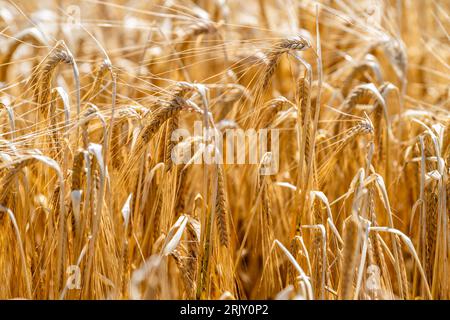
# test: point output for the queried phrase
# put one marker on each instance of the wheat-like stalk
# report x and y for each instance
(273, 56)
(46, 73)
(349, 256)
(351, 110)
(222, 208)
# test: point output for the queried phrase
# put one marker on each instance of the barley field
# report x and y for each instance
(225, 149)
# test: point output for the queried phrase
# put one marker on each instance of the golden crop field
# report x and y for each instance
(225, 149)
